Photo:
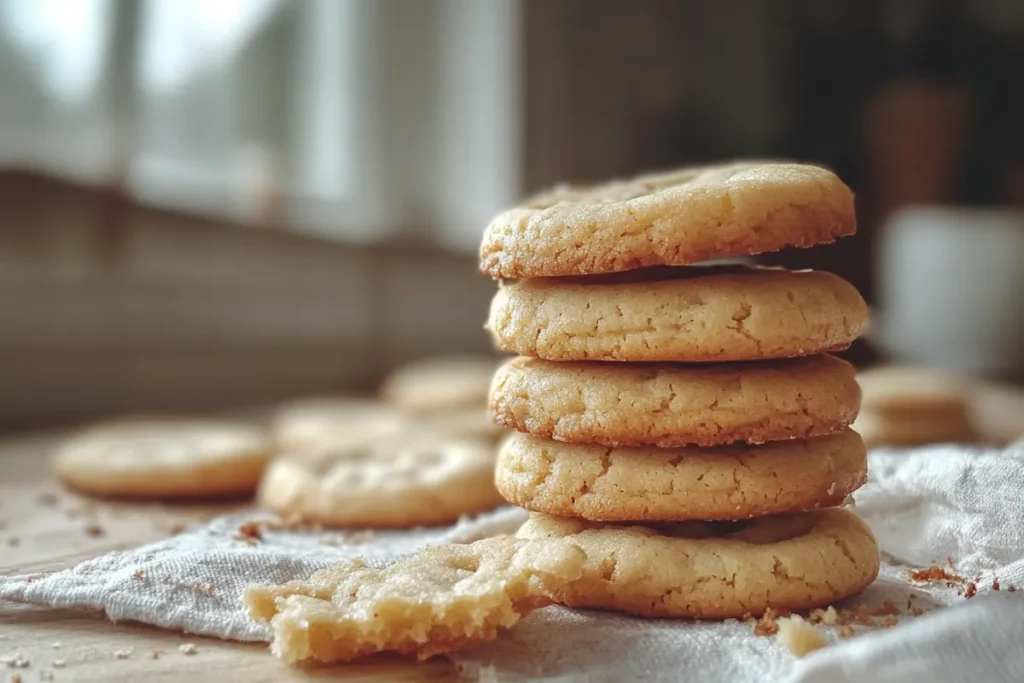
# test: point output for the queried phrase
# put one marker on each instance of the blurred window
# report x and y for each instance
(360, 120)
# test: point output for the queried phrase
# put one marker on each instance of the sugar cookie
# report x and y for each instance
(724, 313)
(433, 602)
(403, 481)
(709, 570)
(674, 218)
(164, 458)
(670, 484)
(439, 384)
(663, 404)
(334, 419)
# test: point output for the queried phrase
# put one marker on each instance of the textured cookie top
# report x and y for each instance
(673, 404)
(408, 480)
(691, 314)
(673, 218)
(716, 570)
(647, 483)
(439, 384)
(436, 601)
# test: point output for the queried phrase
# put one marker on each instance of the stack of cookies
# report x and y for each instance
(684, 424)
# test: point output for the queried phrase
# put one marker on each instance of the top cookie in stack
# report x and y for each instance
(653, 390)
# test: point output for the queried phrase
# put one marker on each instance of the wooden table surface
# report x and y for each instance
(44, 528)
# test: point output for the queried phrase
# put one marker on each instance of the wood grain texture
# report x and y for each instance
(45, 528)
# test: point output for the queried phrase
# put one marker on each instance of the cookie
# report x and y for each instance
(667, 404)
(908, 390)
(436, 601)
(433, 602)
(720, 313)
(403, 481)
(716, 570)
(468, 423)
(674, 484)
(674, 218)
(437, 385)
(339, 420)
(879, 429)
(164, 459)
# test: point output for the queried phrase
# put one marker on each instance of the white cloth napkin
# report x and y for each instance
(924, 505)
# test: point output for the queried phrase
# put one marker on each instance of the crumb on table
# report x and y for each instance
(799, 636)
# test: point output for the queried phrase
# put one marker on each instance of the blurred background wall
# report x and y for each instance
(209, 204)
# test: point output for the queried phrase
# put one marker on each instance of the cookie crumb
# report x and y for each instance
(94, 530)
(845, 631)
(176, 528)
(935, 573)
(1012, 589)
(799, 636)
(995, 584)
(767, 625)
(122, 654)
(829, 616)
(249, 532)
(187, 648)
(949, 561)
(138, 575)
(972, 590)
(887, 608)
(156, 654)
(889, 622)
(916, 611)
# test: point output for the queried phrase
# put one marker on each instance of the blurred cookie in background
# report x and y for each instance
(164, 458)
(407, 480)
(447, 394)
(338, 420)
(903, 405)
(439, 384)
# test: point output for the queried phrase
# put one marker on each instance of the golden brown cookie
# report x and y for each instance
(663, 404)
(436, 601)
(159, 458)
(723, 313)
(716, 570)
(673, 484)
(879, 429)
(338, 420)
(674, 218)
(439, 384)
(413, 479)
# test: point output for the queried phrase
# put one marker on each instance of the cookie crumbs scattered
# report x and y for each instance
(156, 654)
(889, 622)
(176, 528)
(58, 663)
(887, 608)
(767, 625)
(1012, 588)
(949, 561)
(138, 575)
(250, 532)
(995, 584)
(122, 654)
(972, 590)
(187, 648)
(845, 631)
(94, 530)
(916, 611)
(799, 636)
(935, 573)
